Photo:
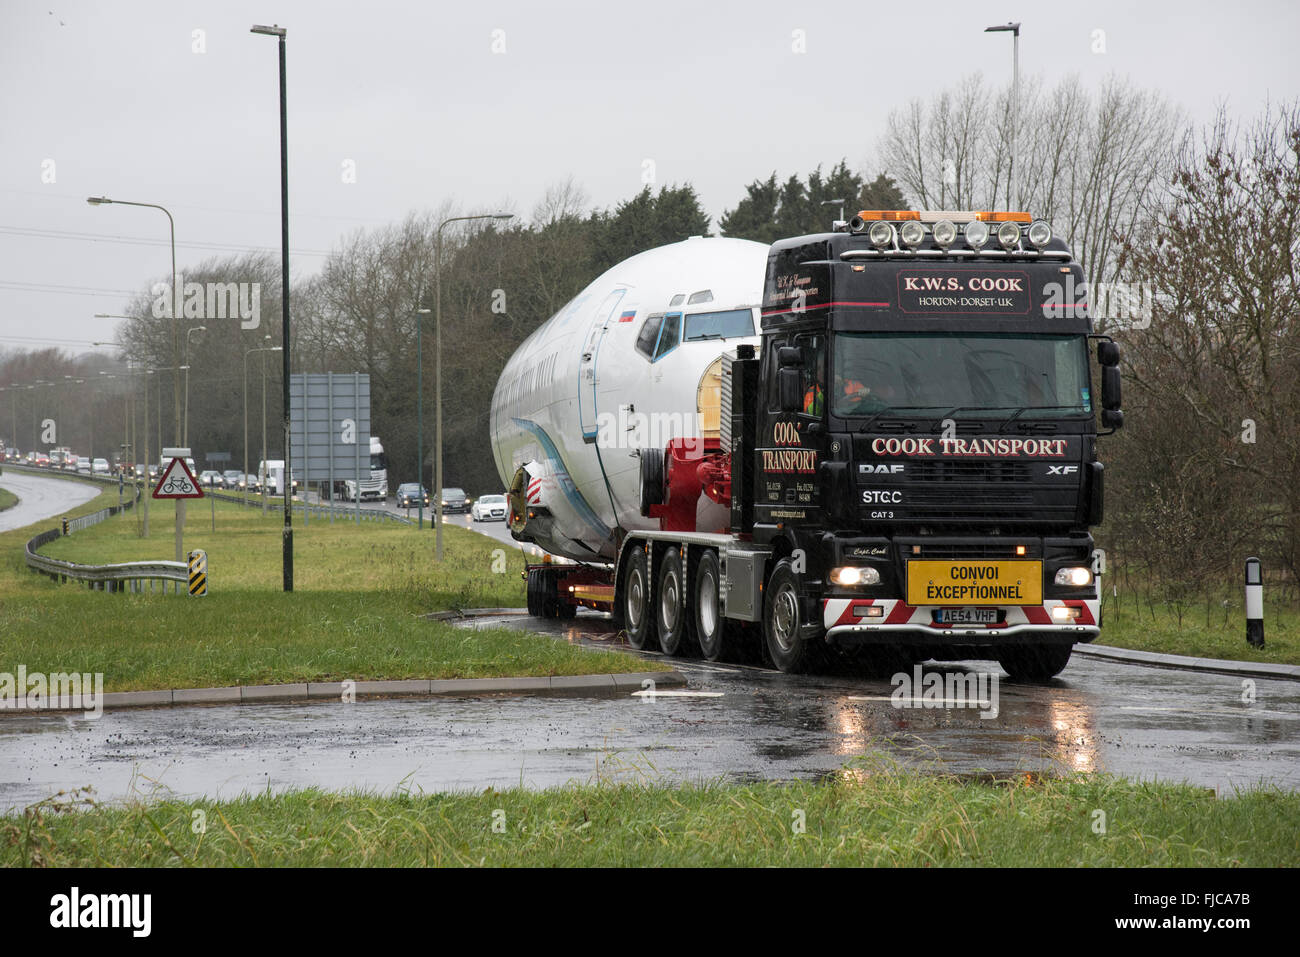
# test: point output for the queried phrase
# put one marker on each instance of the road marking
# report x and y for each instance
(647, 693)
(1235, 712)
(929, 702)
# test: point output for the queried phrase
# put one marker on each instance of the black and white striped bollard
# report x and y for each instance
(1254, 603)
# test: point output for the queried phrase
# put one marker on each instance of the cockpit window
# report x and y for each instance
(704, 295)
(649, 335)
(670, 336)
(732, 324)
(678, 299)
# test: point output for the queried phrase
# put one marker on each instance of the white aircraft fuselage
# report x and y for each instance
(618, 369)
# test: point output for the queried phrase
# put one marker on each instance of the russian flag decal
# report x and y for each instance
(627, 316)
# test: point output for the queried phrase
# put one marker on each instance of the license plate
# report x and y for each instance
(968, 616)
(974, 583)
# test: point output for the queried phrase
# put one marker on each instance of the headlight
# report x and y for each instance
(1077, 576)
(913, 233)
(1040, 234)
(944, 232)
(977, 234)
(852, 575)
(881, 234)
(1009, 235)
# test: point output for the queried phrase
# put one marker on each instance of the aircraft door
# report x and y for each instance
(587, 365)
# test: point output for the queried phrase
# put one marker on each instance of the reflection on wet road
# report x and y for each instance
(1098, 716)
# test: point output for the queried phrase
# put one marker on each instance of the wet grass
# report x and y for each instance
(879, 817)
(360, 592)
(1144, 626)
(7, 499)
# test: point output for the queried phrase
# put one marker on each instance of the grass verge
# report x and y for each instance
(7, 499)
(355, 612)
(872, 819)
(1145, 626)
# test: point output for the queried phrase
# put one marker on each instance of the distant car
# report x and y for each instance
(83, 466)
(233, 478)
(409, 495)
(489, 508)
(42, 460)
(211, 478)
(139, 470)
(100, 467)
(455, 500)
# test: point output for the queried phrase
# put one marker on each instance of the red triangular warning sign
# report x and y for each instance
(177, 481)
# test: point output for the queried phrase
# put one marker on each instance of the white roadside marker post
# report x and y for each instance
(1254, 603)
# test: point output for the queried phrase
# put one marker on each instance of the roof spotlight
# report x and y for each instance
(1040, 234)
(857, 224)
(1009, 235)
(913, 233)
(944, 232)
(881, 234)
(977, 234)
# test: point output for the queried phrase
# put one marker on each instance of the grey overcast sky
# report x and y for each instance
(113, 98)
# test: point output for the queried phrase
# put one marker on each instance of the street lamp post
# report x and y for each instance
(185, 430)
(279, 32)
(1014, 30)
(174, 305)
(436, 491)
(419, 413)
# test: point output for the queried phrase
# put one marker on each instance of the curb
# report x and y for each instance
(333, 690)
(1250, 669)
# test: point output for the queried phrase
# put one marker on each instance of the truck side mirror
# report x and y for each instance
(1107, 353)
(788, 382)
(789, 357)
(1110, 388)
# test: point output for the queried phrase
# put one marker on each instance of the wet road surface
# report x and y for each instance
(744, 722)
(41, 497)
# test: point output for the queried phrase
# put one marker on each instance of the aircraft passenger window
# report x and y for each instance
(669, 338)
(649, 335)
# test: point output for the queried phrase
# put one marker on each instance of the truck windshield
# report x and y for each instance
(988, 374)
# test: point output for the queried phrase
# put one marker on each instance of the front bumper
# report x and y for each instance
(846, 622)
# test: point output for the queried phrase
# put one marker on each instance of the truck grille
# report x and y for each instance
(1000, 471)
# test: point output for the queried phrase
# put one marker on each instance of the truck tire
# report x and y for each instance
(536, 593)
(674, 623)
(652, 479)
(638, 602)
(712, 631)
(783, 621)
(1035, 663)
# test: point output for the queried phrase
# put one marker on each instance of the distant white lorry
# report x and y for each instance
(376, 486)
(270, 476)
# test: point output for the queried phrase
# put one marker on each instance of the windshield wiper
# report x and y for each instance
(1037, 408)
(895, 408)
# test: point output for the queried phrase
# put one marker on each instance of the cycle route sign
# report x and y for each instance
(177, 481)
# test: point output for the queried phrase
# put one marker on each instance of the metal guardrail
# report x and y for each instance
(349, 513)
(117, 577)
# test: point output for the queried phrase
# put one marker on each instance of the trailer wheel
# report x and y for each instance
(638, 601)
(783, 621)
(1035, 664)
(710, 627)
(674, 622)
